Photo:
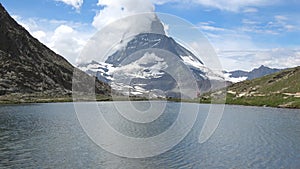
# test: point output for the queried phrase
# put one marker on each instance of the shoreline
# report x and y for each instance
(109, 99)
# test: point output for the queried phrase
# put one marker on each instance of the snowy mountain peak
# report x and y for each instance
(148, 41)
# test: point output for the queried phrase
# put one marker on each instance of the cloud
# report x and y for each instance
(39, 34)
(233, 5)
(289, 27)
(237, 48)
(161, 2)
(280, 18)
(67, 42)
(63, 37)
(226, 38)
(114, 10)
(277, 25)
(250, 10)
(247, 60)
(206, 26)
(250, 22)
(74, 3)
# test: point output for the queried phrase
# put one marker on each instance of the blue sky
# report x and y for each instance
(244, 33)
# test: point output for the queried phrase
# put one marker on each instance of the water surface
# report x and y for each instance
(50, 136)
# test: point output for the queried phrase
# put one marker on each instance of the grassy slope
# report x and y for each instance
(276, 90)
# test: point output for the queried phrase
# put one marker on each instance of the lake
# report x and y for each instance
(50, 136)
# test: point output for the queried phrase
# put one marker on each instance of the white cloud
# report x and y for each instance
(233, 45)
(39, 34)
(114, 10)
(67, 42)
(210, 28)
(250, 22)
(74, 3)
(280, 18)
(234, 5)
(63, 37)
(161, 2)
(226, 38)
(277, 25)
(237, 50)
(289, 27)
(250, 10)
(247, 60)
(228, 5)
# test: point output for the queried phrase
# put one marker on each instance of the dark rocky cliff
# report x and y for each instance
(29, 67)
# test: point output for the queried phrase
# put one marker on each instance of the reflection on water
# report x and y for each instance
(49, 136)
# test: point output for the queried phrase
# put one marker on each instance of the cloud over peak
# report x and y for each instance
(114, 10)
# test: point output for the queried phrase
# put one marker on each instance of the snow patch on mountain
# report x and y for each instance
(208, 73)
(228, 77)
(148, 66)
(189, 60)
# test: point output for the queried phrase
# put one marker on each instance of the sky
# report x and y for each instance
(244, 33)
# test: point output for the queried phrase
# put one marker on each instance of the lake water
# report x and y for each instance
(50, 136)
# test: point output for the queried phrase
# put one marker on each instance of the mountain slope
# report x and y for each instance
(27, 67)
(239, 75)
(281, 89)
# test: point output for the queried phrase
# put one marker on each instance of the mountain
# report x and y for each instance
(280, 89)
(29, 70)
(239, 75)
(147, 65)
(146, 41)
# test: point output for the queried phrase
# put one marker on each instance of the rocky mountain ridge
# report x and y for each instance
(27, 67)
